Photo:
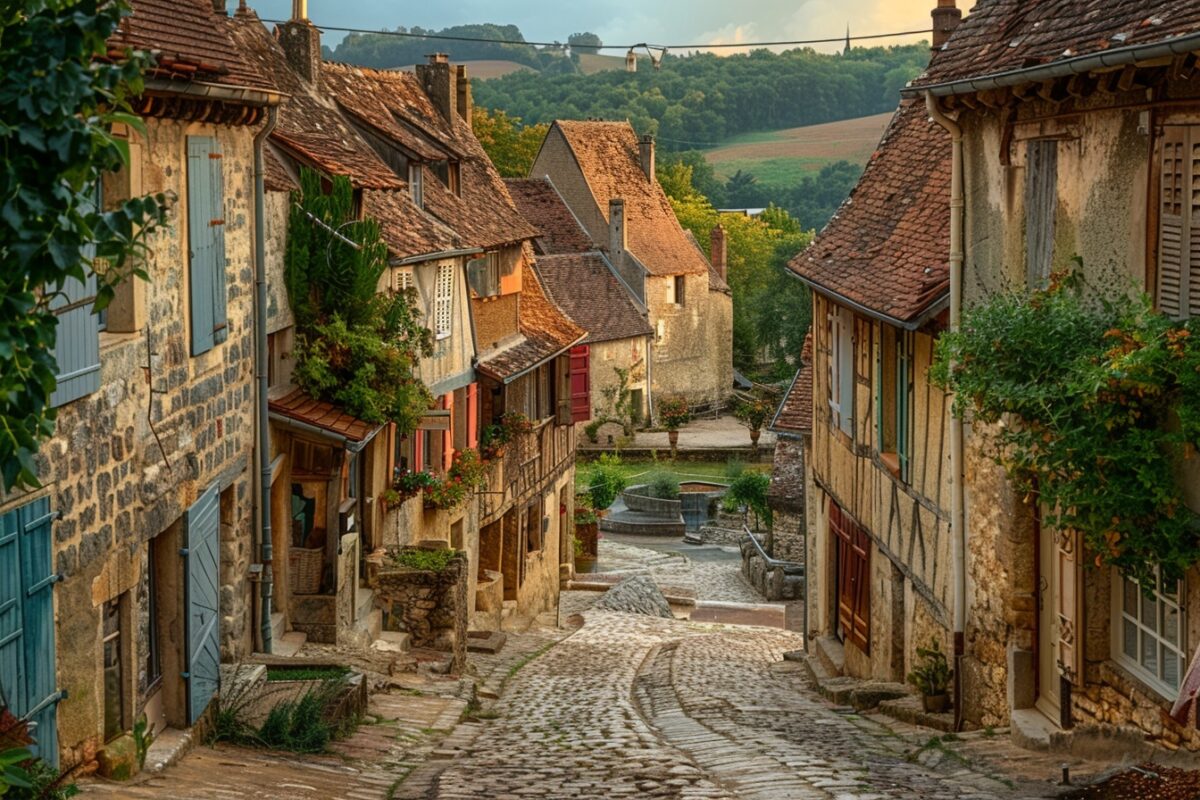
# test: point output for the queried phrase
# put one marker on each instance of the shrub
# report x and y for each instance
(663, 485)
(755, 413)
(300, 726)
(750, 489)
(734, 467)
(592, 430)
(606, 480)
(932, 675)
(674, 413)
(425, 560)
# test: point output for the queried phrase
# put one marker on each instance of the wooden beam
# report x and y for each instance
(1128, 79)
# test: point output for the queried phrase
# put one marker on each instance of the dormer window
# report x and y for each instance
(484, 274)
(455, 179)
(416, 184)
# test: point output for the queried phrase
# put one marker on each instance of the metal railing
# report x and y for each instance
(788, 567)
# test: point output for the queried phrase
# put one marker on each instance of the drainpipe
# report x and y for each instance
(260, 366)
(958, 539)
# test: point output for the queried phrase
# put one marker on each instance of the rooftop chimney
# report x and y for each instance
(646, 150)
(465, 104)
(618, 236)
(440, 82)
(219, 7)
(946, 17)
(719, 252)
(301, 43)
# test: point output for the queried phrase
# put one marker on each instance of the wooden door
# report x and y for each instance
(853, 578)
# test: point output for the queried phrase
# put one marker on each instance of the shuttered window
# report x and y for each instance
(484, 274)
(581, 383)
(77, 337)
(404, 280)
(206, 243)
(1041, 208)
(853, 575)
(841, 369)
(443, 301)
(1179, 223)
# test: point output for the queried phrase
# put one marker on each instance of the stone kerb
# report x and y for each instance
(430, 606)
(637, 498)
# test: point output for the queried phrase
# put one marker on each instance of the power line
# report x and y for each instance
(703, 46)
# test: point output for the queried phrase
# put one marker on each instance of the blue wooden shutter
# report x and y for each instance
(202, 556)
(77, 340)
(903, 431)
(40, 670)
(206, 243)
(12, 626)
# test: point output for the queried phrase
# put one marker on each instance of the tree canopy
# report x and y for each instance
(511, 146)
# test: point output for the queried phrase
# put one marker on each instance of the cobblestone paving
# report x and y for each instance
(675, 572)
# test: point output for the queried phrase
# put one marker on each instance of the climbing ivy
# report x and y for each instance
(1095, 404)
(357, 346)
(60, 96)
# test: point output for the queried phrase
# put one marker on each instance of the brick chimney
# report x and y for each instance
(301, 43)
(465, 103)
(646, 152)
(219, 7)
(946, 17)
(440, 82)
(720, 252)
(618, 235)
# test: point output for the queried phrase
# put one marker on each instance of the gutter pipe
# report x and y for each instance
(1079, 65)
(260, 358)
(958, 537)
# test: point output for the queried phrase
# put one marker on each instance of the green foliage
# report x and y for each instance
(382, 51)
(586, 41)
(57, 110)
(663, 485)
(592, 430)
(424, 560)
(511, 146)
(356, 347)
(467, 474)
(13, 774)
(618, 402)
(757, 410)
(275, 674)
(143, 737)
(300, 726)
(1095, 402)
(750, 490)
(606, 480)
(734, 467)
(932, 675)
(673, 413)
(496, 438)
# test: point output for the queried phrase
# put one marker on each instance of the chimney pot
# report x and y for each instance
(465, 103)
(618, 235)
(646, 151)
(946, 17)
(438, 58)
(720, 252)
(219, 7)
(299, 10)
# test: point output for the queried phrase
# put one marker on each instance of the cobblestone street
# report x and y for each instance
(623, 706)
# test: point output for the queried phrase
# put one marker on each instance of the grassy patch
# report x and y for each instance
(781, 172)
(424, 560)
(639, 471)
(306, 673)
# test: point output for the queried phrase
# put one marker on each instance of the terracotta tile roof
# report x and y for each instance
(787, 476)
(559, 230)
(608, 155)
(300, 407)
(887, 248)
(796, 411)
(191, 41)
(545, 332)
(1004, 35)
(406, 230)
(583, 286)
(276, 176)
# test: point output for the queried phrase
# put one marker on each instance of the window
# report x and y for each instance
(114, 680)
(672, 287)
(153, 657)
(416, 185)
(1179, 223)
(853, 551)
(894, 401)
(402, 453)
(680, 283)
(841, 369)
(483, 274)
(533, 528)
(1041, 207)
(404, 279)
(206, 243)
(1149, 629)
(77, 342)
(443, 301)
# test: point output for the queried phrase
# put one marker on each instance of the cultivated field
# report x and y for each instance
(484, 69)
(590, 63)
(782, 157)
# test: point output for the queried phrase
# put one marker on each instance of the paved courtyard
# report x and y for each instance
(622, 706)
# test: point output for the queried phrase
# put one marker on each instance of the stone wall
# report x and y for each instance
(431, 607)
(106, 474)
(683, 362)
(628, 354)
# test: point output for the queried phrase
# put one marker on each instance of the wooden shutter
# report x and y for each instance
(1068, 602)
(581, 383)
(854, 577)
(443, 306)
(845, 368)
(203, 588)
(1173, 247)
(903, 393)
(1192, 293)
(77, 341)
(206, 243)
(1041, 206)
(39, 578)
(448, 434)
(473, 415)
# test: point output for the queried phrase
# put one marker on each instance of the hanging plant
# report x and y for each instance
(1095, 403)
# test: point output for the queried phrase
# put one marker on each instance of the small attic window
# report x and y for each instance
(416, 184)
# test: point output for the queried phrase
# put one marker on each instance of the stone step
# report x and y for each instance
(289, 644)
(391, 642)
(168, 747)
(278, 625)
(366, 602)
(370, 624)
(508, 609)
(242, 679)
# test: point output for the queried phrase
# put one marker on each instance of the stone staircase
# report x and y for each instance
(283, 642)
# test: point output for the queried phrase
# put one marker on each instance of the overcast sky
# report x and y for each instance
(628, 21)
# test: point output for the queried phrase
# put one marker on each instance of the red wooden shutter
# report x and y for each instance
(854, 577)
(448, 434)
(581, 383)
(418, 438)
(473, 415)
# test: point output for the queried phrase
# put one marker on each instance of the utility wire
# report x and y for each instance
(702, 46)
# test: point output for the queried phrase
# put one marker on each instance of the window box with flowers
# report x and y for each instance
(497, 438)
(466, 475)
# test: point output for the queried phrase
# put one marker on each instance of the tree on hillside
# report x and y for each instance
(384, 51)
(585, 42)
(511, 146)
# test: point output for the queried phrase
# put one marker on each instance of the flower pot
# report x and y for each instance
(754, 434)
(673, 438)
(935, 703)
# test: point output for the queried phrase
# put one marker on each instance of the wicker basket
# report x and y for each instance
(304, 573)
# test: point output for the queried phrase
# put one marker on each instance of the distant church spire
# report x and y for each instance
(846, 52)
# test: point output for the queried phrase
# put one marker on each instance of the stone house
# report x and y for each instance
(793, 428)
(1074, 134)
(580, 279)
(605, 174)
(879, 541)
(128, 576)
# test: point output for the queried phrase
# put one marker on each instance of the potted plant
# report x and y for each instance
(673, 412)
(931, 677)
(754, 414)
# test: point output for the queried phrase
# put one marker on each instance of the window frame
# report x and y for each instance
(841, 363)
(1162, 646)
